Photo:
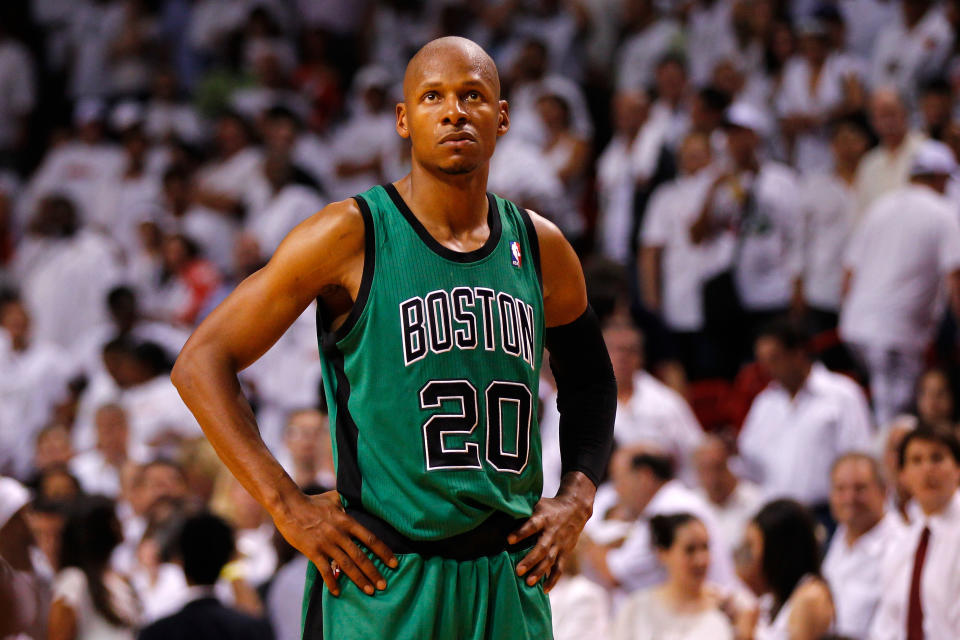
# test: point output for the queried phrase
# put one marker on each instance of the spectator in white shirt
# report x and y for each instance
(734, 501)
(580, 607)
(221, 184)
(913, 47)
(921, 571)
(648, 38)
(817, 86)
(307, 454)
(887, 166)
(99, 469)
(864, 533)
(935, 108)
(18, 97)
(672, 267)
(646, 488)
(167, 117)
(759, 199)
(33, 378)
(896, 263)
(648, 411)
(828, 207)
(935, 399)
(802, 420)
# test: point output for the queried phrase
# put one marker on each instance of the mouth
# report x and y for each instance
(458, 139)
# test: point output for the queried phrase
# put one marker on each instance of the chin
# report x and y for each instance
(459, 167)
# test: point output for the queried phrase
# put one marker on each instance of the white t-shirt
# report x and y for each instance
(580, 607)
(684, 266)
(287, 208)
(828, 206)
(17, 93)
(898, 256)
(904, 57)
(71, 587)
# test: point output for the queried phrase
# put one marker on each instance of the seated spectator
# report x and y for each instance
(168, 117)
(90, 600)
(98, 469)
(567, 154)
(57, 484)
(205, 546)
(935, 399)
(580, 607)
(681, 607)
(46, 519)
(921, 583)
(896, 266)
(24, 594)
(187, 281)
(780, 561)
(53, 448)
(732, 500)
(222, 182)
(307, 455)
(33, 378)
(645, 487)
(886, 167)
(913, 48)
(802, 420)
(257, 558)
(648, 411)
(852, 563)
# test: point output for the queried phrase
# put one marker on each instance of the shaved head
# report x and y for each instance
(438, 55)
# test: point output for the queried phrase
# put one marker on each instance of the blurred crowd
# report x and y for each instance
(766, 200)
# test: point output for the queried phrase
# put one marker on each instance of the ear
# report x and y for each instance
(503, 123)
(402, 128)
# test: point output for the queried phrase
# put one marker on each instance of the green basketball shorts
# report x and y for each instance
(431, 597)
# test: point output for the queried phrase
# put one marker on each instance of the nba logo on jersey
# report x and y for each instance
(515, 253)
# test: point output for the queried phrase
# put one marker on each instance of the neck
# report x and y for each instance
(680, 595)
(724, 494)
(936, 508)
(846, 171)
(893, 142)
(625, 389)
(457, 203)
(748, 164)
(856, 530)
(20, 344)
(795, 385)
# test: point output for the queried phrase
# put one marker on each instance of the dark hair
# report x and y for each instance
(121, 295)
(663, 529)
(857, 120)
(788, 332)
(951, 387)
(714, 99)
(206, 544)
(660, 465)
(89, 536)
(929, 433)
(935, 85)
(790, 547)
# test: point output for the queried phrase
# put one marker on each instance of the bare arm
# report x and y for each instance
(323, 255)
(953, 288)
(650, 277)
(62, 623)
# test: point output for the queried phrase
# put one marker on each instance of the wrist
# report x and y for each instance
(578, 489)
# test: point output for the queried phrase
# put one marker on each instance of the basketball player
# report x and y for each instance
(435, 299)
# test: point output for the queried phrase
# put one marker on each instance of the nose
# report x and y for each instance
(454, 113)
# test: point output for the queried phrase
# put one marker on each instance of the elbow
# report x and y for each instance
(181, 371)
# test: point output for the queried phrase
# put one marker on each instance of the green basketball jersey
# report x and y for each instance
(432, 381)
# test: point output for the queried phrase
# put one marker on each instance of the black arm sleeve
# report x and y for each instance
(586, 394)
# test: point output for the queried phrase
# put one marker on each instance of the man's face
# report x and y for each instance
(162, 481)
(930, 474)
(849, 144)
(694, 154)
(626, 351)
(111, 431)
(452, 114)
(712, 472)
(16, 321)
(305, 436)
(778, 361)
(856, 495)
(741, 143)
(888, 117)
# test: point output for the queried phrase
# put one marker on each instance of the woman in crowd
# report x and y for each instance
(780, 562)
(681, 608)
(91, 601)
(935, 398)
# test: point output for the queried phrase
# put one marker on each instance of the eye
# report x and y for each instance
(431, 96)
(473, 95)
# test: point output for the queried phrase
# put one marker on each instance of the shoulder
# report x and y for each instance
(564, 289)
(328, 236)
(812, 601)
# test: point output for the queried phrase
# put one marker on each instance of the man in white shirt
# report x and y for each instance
(804, 419)
(852, 564)
(98, 470)
(912, 47)
(897, 261)
(306, 453)
(672, 267)
(886, 167)
(646, 488)
(648, 411)
(734, 501)
(921, 571)
(828, 207)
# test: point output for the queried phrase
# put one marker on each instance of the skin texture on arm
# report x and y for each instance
(62, 623)
(650, 276)
(322, 256)
(558, 520)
